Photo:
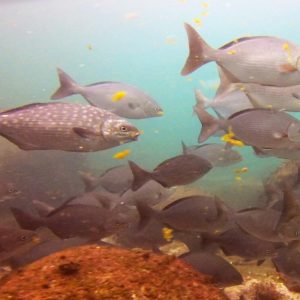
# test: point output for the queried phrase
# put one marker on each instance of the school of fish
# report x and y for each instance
(132, 204)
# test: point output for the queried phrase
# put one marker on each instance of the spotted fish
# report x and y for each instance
(65, 126)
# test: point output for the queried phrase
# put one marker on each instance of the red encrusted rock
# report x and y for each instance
(94, 273)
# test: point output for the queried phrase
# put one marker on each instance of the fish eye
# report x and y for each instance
(123, 128)
(23, 238)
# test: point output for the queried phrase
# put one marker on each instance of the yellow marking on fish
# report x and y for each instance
(287, 49)
(238, 178)
(167, 234)
(231, 52)
(229, 138)
(198, 21)
(241, 170)
(89, 46)
(122, 154)
(119, 95)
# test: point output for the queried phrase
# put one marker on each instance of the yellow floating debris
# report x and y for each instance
(122, 154)
(241, 170)
(229, 138)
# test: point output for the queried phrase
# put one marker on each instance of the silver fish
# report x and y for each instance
(217, 154)
(258, 127)
(228, 100)
(258, 59)
(264, 96)
(68, 127)
(133, 104)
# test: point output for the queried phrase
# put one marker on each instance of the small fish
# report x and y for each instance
(120, 98)
(14, 241)
(228, 100)
(122, 154)
(63, 126)
(119, 95)
(221, 271)
(178, 170)
(217, 154)
(247, 64)
(241, 170)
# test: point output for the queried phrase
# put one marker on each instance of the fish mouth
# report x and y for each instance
(134, 135)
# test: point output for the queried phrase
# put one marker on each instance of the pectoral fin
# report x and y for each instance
(287, 68)
(295, 95)
(84, 133)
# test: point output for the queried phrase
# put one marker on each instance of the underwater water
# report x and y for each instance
(142, 43)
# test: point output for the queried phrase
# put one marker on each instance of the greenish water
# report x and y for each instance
(141, 43)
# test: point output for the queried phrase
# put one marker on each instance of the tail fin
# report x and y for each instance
(201, 100)
(146, 213)
(140, 176)
(25, 220)
(210, 125)
(68, 86)
(200, 52)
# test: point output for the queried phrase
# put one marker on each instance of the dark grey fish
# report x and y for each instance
(44, 249)
(62, 126)
(221, 271)
(235, 241)
(219, 155)
(258, 127)
(133, 104)
(15, 240)
(71, 220)
(178, 170)
(117, 179)
(261, 223)
(194, 213)
(287, 263)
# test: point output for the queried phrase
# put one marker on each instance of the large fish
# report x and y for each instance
(194, 213)
(262, 128)
(86, 221)
(63, 126)
(258, 59)
(120, 98)
(178, 170)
